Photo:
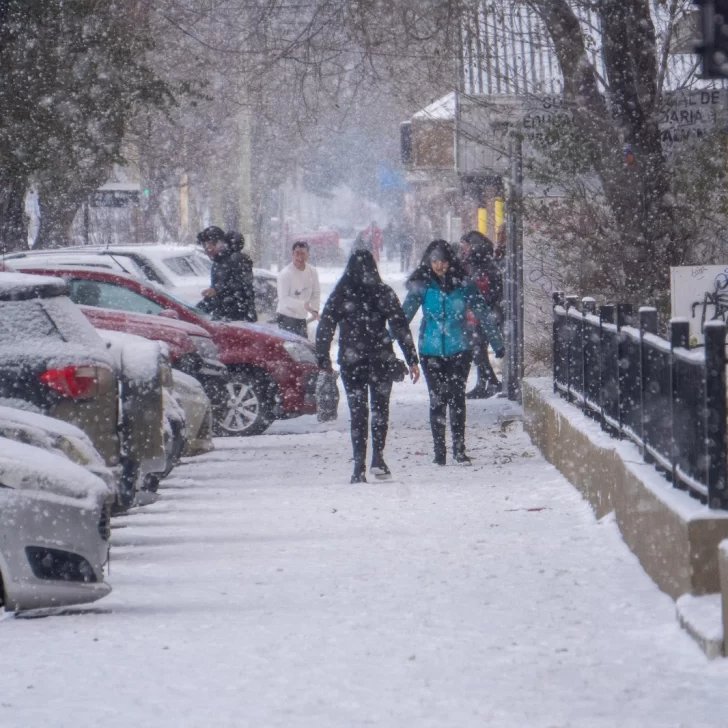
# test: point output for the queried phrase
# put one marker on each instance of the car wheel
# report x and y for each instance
(247, 410)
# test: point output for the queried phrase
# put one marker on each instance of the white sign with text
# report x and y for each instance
(699, 293)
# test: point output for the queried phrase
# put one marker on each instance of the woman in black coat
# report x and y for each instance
(361, 305)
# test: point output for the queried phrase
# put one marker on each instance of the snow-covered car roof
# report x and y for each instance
(22, 286)
(50, 329)
(28, 468)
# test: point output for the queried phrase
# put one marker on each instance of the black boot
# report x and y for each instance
(359, 475)
(379, 468)
(479, 391)
(461, 458)
(438, 439)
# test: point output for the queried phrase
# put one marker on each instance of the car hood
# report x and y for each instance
(27, 468)
(275, 334)
(51, 434)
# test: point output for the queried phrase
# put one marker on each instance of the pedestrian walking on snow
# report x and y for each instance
(477, 256)
(231, 295)
(440, 287)
(362, 305)
(299, 292)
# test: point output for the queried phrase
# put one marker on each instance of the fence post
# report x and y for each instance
(556, 300)
(606, 316)
(588, 306)
(715, 413)
(624, 318)
(679, 339)
(648, 325)
(570, 301)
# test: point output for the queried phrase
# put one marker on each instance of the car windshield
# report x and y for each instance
(182, 265)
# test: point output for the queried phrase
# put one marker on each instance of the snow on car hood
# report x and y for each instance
(263, 329)
(27, 468)
(35, 429)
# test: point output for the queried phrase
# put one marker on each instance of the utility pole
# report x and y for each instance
(514, 275)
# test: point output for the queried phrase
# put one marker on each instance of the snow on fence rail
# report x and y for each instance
(668, 399)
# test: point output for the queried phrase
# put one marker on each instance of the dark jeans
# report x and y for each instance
(363, 382)
(294, 325)
(481, 358)
(446, 377)
(405, 253)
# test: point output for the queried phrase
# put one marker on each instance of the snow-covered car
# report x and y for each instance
(56, 436)
(273, 374)
(184, 270)
(147, 384)
(54, 530)
(53, 362)
(198, 411)
(191, 348)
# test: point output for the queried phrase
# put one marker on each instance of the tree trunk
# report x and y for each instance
(56, 217)
(622, 135)
(13, 220)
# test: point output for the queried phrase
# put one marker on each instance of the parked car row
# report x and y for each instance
(106, 381)
(271, 374)
(183, 270)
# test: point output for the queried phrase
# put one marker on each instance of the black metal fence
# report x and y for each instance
(666, 398)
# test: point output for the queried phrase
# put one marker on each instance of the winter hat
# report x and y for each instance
(235, 240)
(211, 234)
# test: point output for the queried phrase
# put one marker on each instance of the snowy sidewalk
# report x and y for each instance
(262, 590)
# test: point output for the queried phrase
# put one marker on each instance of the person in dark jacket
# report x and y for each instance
(231, 295)
(441, 287)
(361, 305)
(477, 255)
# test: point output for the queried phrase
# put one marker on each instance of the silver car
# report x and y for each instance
(54, 531)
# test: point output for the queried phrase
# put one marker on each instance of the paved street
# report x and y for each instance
(263, 590)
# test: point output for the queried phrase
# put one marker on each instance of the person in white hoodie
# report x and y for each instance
(299, 292)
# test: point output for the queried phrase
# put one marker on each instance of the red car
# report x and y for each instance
(191, 348)
(273, 374)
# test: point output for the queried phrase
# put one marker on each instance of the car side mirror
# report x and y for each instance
(168, 313)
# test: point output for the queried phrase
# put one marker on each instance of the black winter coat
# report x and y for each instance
(362, 313)
(232, 278)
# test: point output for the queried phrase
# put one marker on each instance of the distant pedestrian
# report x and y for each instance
(362, 305)
(375, 240)
(231, 295)
(406, 246)
(440, 287)
(477, 255)
(390, 240)
(299, 292)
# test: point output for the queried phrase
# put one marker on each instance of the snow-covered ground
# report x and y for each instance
(262, 590)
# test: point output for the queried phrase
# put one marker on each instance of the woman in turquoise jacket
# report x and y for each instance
(441, 288)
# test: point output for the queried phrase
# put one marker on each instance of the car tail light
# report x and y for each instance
(78, 382)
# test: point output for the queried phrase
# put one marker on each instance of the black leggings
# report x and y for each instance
(446, 378)
(362, 382)
(481, 358)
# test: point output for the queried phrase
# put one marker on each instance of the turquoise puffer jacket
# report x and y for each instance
(443, 331)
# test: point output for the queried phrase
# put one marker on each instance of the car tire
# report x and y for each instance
(248, 410)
